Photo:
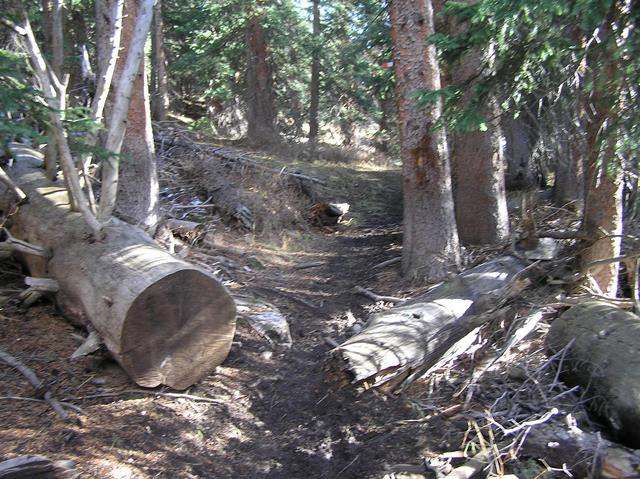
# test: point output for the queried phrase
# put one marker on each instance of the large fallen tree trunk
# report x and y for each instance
(603, 357)
(164, 320)
(413, 336)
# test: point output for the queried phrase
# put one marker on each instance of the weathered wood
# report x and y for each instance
(585, 454)
(604, 358)
(414, 335)
(37, 467)
(231, 156)
(164, 320)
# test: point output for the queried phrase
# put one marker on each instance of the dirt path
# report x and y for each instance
(273, 415)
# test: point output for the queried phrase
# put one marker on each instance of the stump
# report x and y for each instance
(164, 320)
(604, 358)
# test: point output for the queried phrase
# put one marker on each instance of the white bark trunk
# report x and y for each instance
(118, 119)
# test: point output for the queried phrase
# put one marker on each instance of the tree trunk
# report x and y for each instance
(160, 84)
(414, 336)
(477, 162)
(602, 219)
(604, 359)
(315, 78)
(164, 320)
(261, 111)
(430, 240)
(57, 38)
(520, 138)
(137, 181)
(568, 186)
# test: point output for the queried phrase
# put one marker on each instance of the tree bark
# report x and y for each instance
(164, 320)
(315, 78)
(415, 335)
(160, 83)
(129, 129)
(261, 111)
(477, 161)
(602, 219)
(520, 139)
(603, 358)
(430, 241)
(57, 37)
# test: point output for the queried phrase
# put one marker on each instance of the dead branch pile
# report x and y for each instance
(203, 181)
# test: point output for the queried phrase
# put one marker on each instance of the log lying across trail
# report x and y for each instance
(164, 320)
(412, 337)
(604, 358)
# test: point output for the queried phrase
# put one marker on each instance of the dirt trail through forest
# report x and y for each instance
(272, 414)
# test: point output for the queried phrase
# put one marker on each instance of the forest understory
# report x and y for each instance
(271, 410)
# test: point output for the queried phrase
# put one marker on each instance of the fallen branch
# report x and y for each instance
(389, 262)
(470, 468)
(615, 259)
(190, 397)
(309, 265)
(11, 245)
(376, 297)
(68, 405)
(39, 386)
(4, 178)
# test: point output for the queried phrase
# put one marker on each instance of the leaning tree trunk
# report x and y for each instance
(410, 338)
(430, 248)
(164, 320)
(137, 181)
(261, 110)
(604, 359)
(477, 161)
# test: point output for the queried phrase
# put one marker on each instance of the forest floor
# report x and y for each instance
(267, 412)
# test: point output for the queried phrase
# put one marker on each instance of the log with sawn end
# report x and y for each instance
(410, 337)
(164, 320)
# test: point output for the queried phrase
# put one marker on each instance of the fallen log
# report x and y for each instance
(413, 336)
(163, 319)
(604, 359)
(583, 453)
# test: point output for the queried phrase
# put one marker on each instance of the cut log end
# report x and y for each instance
(177, 330)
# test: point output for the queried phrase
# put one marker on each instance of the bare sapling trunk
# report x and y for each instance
(137, 195)
(54, 90)
(119, 114)
(430, 240)
(109, 30)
